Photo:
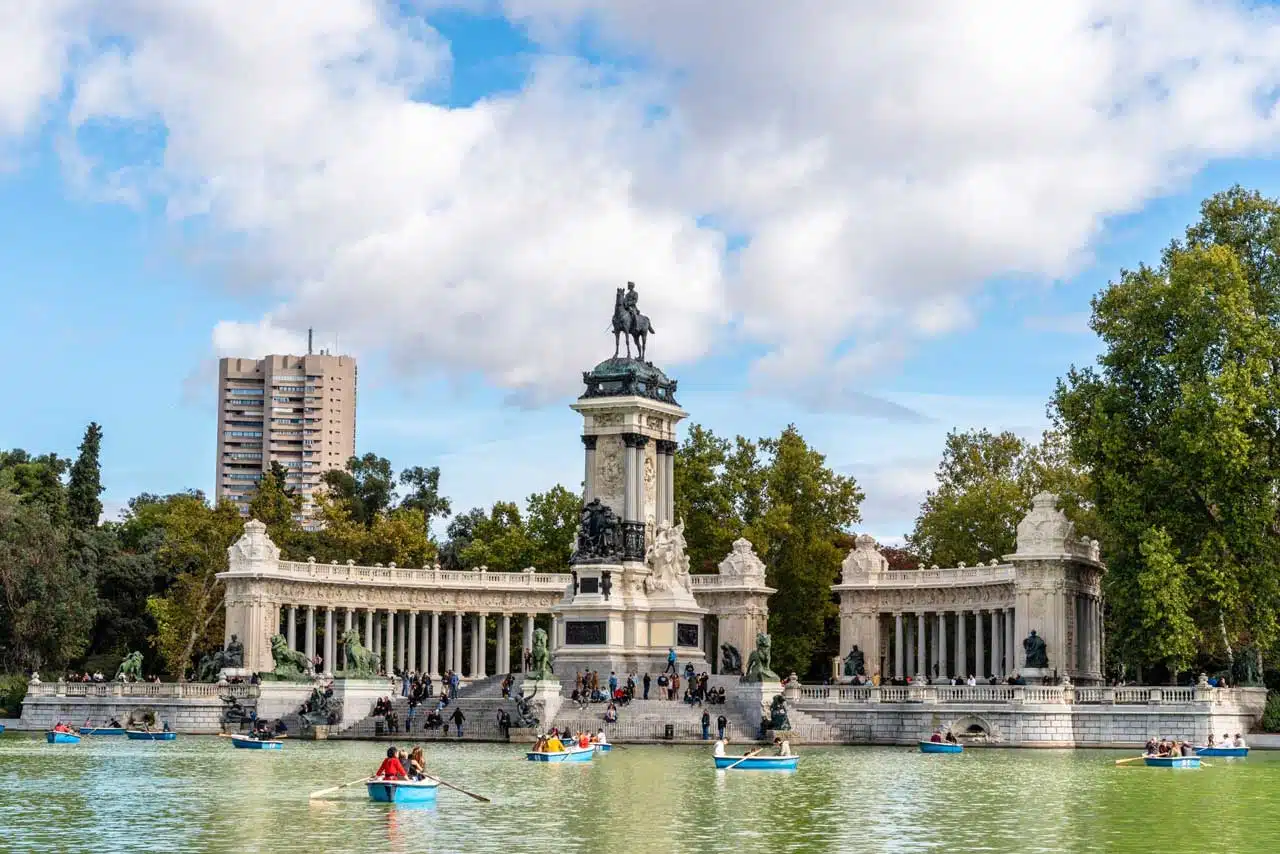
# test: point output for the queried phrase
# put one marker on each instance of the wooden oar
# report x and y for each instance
(480, 798)
(336, 788)
(1130, 759)
(744, 759)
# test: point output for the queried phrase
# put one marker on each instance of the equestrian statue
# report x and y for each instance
(628, 320)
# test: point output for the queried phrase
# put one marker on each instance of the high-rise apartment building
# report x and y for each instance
(299, 411)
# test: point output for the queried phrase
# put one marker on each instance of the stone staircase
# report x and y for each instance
(807, 729)
(479, 701)
(647, 720)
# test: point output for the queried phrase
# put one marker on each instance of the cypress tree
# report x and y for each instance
(83, 504)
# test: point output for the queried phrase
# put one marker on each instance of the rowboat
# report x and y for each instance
(603, 748)
(61, 737)
(248, 743)
(402, 791)
(142, 735)
(758, 763)
(575, 754)
(102, 730)
(1171, 761)
(940, 747)
(1, 729)
(1238, 752)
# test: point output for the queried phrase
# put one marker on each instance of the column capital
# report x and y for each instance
(589, 442)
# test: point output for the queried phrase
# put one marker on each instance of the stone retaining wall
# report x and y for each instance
(185, 715)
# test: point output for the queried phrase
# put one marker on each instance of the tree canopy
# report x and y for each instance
(1179, 426)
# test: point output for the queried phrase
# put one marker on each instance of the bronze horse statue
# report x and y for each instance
(633, 324)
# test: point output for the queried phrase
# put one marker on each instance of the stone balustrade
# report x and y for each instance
(153, 690)
(965, 576)
(1017, 695)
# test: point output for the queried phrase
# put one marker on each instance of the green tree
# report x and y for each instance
(424, 493)
(1162, 605)
(460, 533)
(706, 497)
(366, 486)
(275, 506)
(551, 520)
(46, 603)
(499, 541)
(189, 614)
(84, 506)
(37, 481)
(1179, 427)
(805, 510)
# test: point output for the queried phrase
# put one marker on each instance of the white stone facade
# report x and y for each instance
(962, 621)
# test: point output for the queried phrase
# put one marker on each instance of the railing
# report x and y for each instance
(151, 690)
(814, 695)
(712, 582)
(960, 576)
(974, 693)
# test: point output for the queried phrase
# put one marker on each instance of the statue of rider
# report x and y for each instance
(631, 304)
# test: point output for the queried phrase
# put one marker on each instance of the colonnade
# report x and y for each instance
(942, 644)
(434, 642)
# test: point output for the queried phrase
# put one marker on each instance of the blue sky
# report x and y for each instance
(874, 241)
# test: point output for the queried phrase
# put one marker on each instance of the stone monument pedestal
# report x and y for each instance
(1036, 675)
(618, 621)
(277, 699)
(752, 699)
(358, 696)
(544, 699)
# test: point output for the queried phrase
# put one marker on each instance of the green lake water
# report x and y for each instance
(200, 794)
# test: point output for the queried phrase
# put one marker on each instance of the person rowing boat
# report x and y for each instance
(390, 769)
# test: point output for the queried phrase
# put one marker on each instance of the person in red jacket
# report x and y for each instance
(391, 769)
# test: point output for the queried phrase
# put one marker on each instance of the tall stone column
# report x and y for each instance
(553, 642)
(909, 666)
(411, 645)
(628, 477)
(291, 627)
(503, 664)
(589, 482)
(659, 483)
(528, 638)
(433, 650)
(389, 660)
(448, 644)
(897, 645)
(330, 642)
(995, 643)
(962, 648)
(671, 481)
(482, 647)
(347, 620)
(457, 642)
(979, 643)
(1010, 648)
(311, 632)
(944, 670)
(641, 441)
(368, 628)
(401, 658)
(922, 662)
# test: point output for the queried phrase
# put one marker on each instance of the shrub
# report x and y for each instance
(13, 687)
(1271, 715)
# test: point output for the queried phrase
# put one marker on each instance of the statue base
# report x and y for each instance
(1036, 675)
(544, 699)
(615, 622)
(226, 674)
(358, 696)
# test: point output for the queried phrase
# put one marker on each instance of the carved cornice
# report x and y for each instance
(279, 592)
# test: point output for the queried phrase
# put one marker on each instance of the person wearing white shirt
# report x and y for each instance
(601, 738)
(720, 743)
(971, 681)
(1239, 742)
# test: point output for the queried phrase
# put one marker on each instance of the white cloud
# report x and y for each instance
(256, 340)
(881, 161)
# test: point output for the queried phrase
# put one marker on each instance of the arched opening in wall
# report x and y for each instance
(974, 728)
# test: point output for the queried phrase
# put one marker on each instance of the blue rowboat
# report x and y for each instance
(139, 735)
(1238, 752)
(1172, 761)
(758, 763)
(102, 730)
(1, 729)
(603, 748)
(402, 791)
(577, 754)
(61, 737)
(247, 743)
(940, 747)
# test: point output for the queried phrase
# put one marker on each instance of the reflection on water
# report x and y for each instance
(199, 794)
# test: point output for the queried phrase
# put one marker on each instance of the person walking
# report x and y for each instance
(721, 723)
(458, 717)
(706, 725)
(671, 660)
(646, 686)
